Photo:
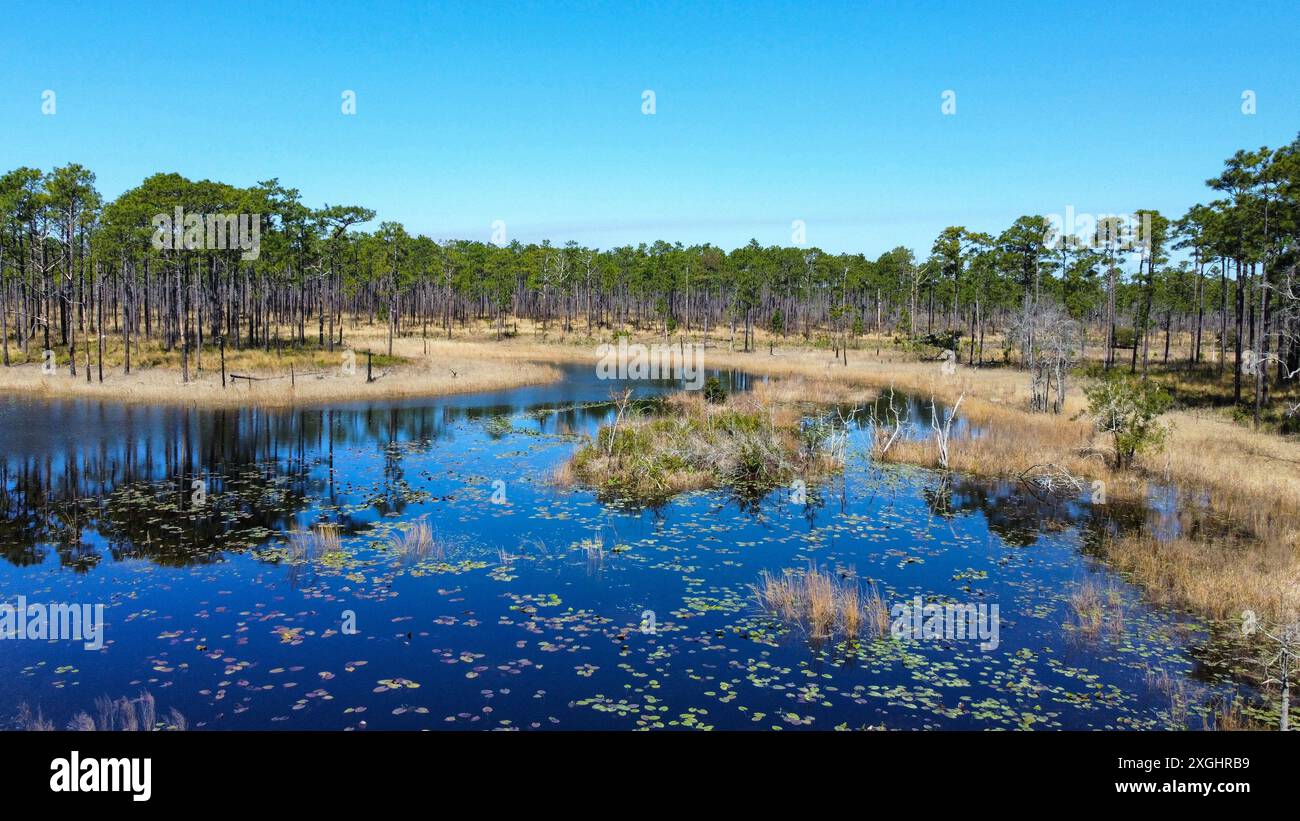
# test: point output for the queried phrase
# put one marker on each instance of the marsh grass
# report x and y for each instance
(1229, 715)
(1218, 577)
(319, 540)
(1224, 478)
(33, 720)
(1176, 690)
(119, 715)
(876, 609)
(1085, 603)
(419, 541)
(822, 603)
(750, 442)
(1096, 610)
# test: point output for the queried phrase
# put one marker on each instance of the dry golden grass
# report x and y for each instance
(1248, 481)
(1086, 604)
(418, 541)
(318, 377)
(877, 619)
(1251, 478)
(322, 538)
(1218, 578)
(1095, 610)
(822, 603)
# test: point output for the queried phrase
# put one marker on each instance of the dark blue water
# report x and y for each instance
(532, 616)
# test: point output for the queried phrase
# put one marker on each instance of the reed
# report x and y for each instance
(120, 715)
(320, 539)
(822, 603)
(419, 541)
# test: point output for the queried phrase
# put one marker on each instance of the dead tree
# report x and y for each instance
(1048, 339)
(943, 431)
(886, 434)
(1282, 664)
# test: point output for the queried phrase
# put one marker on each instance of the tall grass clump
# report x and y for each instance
(1218, 577)
(822, 603)
(1087, 606)
(419, 541)
(120, 715)
(320, 539)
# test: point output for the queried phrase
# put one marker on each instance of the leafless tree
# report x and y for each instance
(886, 434)
(1048, 340)
(943, 431)
(1282, 661)
(837, 440)
(1285, 320)
(620, 402)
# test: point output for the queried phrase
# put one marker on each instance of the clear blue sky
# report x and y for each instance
(766, 113)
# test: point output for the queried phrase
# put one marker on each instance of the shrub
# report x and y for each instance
(944, 341)
(1125, 338)
(715, 393)
(1128, 409)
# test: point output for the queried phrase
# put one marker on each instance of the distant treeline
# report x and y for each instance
(73, 267)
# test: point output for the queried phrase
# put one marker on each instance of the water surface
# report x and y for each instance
(535, 616)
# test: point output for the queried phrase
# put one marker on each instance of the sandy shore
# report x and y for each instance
(447, 368)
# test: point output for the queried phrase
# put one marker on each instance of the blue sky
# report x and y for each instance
(765, 113)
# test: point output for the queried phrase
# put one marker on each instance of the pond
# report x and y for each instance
(540, 607)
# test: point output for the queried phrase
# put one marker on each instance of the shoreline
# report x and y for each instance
(206, 391)
(448, 369)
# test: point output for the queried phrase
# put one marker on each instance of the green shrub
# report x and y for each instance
(715, 393)
(1125, 338)
(1128, 409)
